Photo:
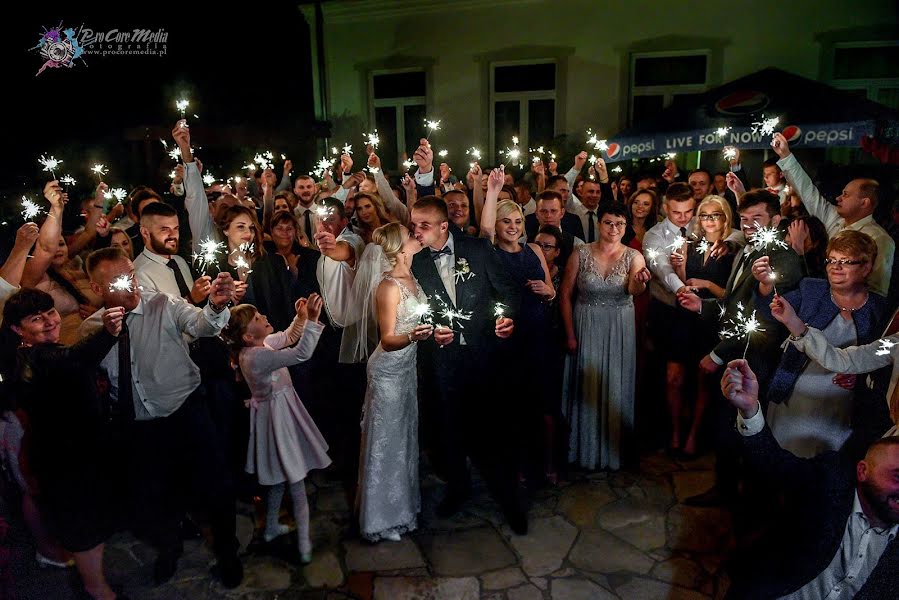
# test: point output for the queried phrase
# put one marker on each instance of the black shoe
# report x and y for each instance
(710, 498)
(450, 505)
(517, 519)
(165, 566)
(230, 571)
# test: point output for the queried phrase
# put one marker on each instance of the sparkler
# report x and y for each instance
(50, 164)
(765, 126)
(671, 155)
(652, 254)
(703, 246)
(30, 209)
(617, 169)
(118, 193)
(512, 154)
(322, 167)
(173, 174)
(773, 277)
(598, 144)
(99, 170)
(348, 149)
(431, 126)
(678, 242)
(424, 313)
(499, 310)
(122, 283)
(372, 139)
(452, 315)
(240, 259)
(742, 325)
(442, 153)
(182, 105)
(408, 164)
(208, 179)
(730, 153)
(722, 131)
(174, 153)
(766, 237)
(886, 345)
(67, 180)
(208, 255)
(473, 152)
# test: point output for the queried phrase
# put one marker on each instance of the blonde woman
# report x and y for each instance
(388, 499)
(707, 276)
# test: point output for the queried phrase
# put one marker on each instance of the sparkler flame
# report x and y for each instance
(322, 167)
(408, 164)
(122, 283)
(678, 242)
(99, 170)
(30, 209)
(722, 131)
(703, 246)
(208, 179)
(474, 153)
(617, 169)
(765, 126)
(432, 125)
(372, 139)
(67, 180)
(499, 310)
(766, 237)
(424, 313)
(742, 326)
(208, 255)
(182, 105)
(175, 153)
(886, 346)
(50, 164)
(442, 153)
(348, 149)
(653, 255)
(730, 153)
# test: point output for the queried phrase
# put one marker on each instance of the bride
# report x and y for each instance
(388, 499)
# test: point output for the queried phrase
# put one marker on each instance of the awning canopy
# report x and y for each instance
(811, 114)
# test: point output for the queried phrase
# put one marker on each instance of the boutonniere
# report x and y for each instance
(462, 271)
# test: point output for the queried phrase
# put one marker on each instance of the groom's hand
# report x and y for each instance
(504, 327)
(443, 336)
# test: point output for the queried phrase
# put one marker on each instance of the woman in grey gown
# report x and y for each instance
(388, 498)
(599, 384)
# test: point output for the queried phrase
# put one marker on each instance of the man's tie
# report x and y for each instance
(683, 232)
(126, 397)
(183, 288)
(436, 254)
(307, 224)
(591, 226)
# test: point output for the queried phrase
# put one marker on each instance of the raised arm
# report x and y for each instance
(201, 225)
(267, 360)
(12, 269)
(209, 320)
(487, 220)
(48, 239)
(803, 185)
(396, 208)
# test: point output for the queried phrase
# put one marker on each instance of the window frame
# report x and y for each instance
(523, 99)
(871, 86)
(668, 92)
(398, 104)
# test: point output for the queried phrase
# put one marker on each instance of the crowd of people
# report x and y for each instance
(178, 351)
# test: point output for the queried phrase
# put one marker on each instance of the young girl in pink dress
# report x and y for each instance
(284, 443)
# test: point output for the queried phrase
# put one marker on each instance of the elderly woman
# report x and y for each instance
(600, 280)
(809, 410)
(69, 443)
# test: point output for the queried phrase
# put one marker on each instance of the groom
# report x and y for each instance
(466, 275)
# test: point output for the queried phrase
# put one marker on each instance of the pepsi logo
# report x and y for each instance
(742, 102)
(614, 150)
(792, 133)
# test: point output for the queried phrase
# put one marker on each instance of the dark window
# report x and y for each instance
(670, 70)
(385, 121)
(541, 122)
(414, 125)
(866, 63)
(646, 107)
(506, 121)
(524, 78)
(399, 85)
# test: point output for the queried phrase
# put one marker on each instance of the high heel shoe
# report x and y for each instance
(45, 562)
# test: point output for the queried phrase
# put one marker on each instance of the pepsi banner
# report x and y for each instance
(799, 136)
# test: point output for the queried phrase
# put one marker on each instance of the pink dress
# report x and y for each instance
(284, 442)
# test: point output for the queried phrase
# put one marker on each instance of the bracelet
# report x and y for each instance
(796, 338)
(409, 335)
(216, 308)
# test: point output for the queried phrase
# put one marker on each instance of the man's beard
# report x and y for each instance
(879, 503)
(159, 246)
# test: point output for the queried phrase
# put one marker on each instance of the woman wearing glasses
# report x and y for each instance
(811, 409)
(599, 328)
(707, 276)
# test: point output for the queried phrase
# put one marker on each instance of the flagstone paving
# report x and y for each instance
(599, 536)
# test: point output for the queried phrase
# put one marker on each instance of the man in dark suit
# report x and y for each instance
(551, 211)
(758, 208)
(837, 536)
(465, 274)
(568, 222)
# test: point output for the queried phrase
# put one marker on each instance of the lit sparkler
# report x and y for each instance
(886, 345)
(118, 193)
(703, 246)
(348, 149)
(499, 310)
(653, 255)
(122, 283)
(99, 170)
(424, 313)
(722, 131)
(678, 242)
(50, 164)
(671, 155)
(208, 255)
(30, 209)
(442, 153)
(452, 315)
(182, 105)
(175, 153)
(765, 126)
(322, 167)
(742, 326)
(598, 144)
(240, 259)
(208, 179)
(67, 180)
(431, 126)
(730, 153)
(766, 237)
(408, 164)
(372, 139)
(617, 169)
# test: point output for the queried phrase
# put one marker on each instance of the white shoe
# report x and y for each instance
(45, 562)
(281, 530)
(393, 536)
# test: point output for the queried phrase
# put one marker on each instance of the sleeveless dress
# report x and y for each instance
(388, 498)
(599, 382)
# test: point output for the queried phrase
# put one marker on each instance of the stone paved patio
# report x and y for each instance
(600, 536)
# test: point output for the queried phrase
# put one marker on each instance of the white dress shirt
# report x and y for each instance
(153, 274)
(879, 280)
(202, 227)
(665, 281)
(162, 373)
(858, 554)
(446, 266)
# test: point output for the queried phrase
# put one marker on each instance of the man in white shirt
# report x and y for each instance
(837, 537)
(155, 387)
(159, 268)
(854, 210)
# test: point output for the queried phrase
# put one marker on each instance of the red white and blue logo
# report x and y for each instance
(743, 102)
(613, 150)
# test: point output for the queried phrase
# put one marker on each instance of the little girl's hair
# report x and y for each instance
(234, 331)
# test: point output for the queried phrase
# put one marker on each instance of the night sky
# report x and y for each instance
(246, 72)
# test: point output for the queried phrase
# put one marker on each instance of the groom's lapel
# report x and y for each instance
(431, 276)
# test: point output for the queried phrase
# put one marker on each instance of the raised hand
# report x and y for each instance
(783, 311)
(539, 169)
(689, 300)
(761, 270)
(553, 167)
(346, 163)
(221, 289)
(300, 306)
(374, 162)
(670, 171)
(181, 135)
(734, 184)
(798, 231)
(200, 289)
(580, 160)
(602, 170)
(288, 166)
(54, 194)
(781, 145)
(736, 158)
(740, 386)
(26, 236)
(314, 307)
(112, 319)
(424, 156)
(496, 179)
(325, 240)
(355, 180)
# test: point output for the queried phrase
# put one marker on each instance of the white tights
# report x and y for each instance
(300, 512)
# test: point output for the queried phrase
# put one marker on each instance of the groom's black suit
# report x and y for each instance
(458, 380)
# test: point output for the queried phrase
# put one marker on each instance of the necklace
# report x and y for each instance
(846, 308)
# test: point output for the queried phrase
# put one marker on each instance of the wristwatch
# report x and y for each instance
(796, 338)
(216, 308)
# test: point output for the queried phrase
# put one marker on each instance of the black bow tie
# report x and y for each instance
(436, 254)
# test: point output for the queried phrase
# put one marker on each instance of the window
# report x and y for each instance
(656, 78)
(870, 69)
(398, 111)
(523, 104)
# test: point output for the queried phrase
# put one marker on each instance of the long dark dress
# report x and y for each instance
(71, 440)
